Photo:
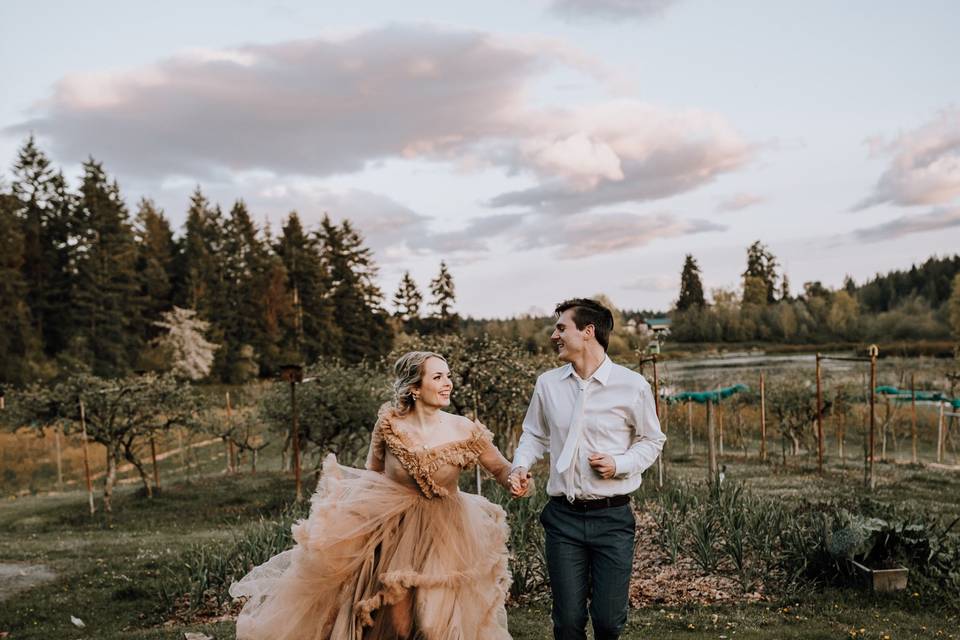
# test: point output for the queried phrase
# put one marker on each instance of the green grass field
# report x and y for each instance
(109, 569)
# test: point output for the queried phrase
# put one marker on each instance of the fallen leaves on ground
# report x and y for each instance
(657, 581)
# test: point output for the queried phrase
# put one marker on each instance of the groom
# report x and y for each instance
(598, 421)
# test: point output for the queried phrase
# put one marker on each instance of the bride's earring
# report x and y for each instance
(416, 397)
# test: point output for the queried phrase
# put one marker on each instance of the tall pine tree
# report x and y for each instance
(44, 206)
(19, 345)
(355, 297)
(312, 332)
(444, 296)
(106, 300)
(199, 268)
(155, 264)
(760, 278)
(251, 327)
(691, 287)
(407, 301)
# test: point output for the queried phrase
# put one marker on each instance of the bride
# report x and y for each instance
(395, 551)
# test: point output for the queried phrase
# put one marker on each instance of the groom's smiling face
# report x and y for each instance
(567, 339)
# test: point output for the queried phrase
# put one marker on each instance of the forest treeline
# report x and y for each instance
(922, 303)
(86, 284)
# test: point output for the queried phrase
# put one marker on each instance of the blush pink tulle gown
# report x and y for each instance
(397, 554)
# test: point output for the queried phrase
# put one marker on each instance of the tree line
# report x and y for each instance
(86, 285)
(920, 304)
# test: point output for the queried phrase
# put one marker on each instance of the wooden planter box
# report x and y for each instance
(883, 579)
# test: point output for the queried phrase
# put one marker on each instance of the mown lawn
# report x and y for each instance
(111, 569)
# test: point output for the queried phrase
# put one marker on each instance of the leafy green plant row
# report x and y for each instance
(784, 548)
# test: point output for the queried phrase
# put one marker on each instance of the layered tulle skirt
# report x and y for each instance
(377, 560)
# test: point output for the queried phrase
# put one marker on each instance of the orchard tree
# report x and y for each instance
(121, 414)
(337, 409)
(793, 402)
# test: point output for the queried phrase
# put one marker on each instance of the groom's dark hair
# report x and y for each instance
(587, 311)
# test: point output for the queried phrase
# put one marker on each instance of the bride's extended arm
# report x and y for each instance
(493, 461)
(377, 450)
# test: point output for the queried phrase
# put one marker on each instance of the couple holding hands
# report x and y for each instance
(395, 551)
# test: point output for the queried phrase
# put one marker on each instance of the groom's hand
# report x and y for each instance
(519, 480)
(603, 464)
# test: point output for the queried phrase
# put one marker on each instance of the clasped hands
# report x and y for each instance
(521, 480)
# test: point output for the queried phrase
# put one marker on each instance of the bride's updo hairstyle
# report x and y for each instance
(409, 371)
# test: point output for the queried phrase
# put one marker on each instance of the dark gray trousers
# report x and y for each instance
(589, 558)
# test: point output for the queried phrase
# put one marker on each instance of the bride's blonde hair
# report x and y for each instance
(408, 370)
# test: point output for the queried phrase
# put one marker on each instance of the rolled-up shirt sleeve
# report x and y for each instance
(648, 439)
(535, 439)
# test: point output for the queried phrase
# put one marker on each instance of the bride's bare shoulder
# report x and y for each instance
(462, 425)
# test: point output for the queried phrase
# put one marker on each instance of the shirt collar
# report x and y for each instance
(601, 375)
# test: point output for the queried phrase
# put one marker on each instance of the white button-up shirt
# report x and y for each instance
(616, 416)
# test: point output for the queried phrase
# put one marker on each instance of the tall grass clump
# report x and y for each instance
(528, 564)
(203, 575)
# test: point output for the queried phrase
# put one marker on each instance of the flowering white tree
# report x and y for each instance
(191, 354)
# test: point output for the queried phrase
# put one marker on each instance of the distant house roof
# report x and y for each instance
(657, 323)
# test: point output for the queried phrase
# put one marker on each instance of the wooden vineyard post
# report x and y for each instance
(232, 465)
(886, 426)
(874, 352)
(690, 424)
(656, 404)
(940, 438)
(86, 457)
(819, 419)
(56, 436)
(763, 419)
(720, 424)
(293, 373)
(913, 419)
(153, 458)
(711, 444)
(183, 459)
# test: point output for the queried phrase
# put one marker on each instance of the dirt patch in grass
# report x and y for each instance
(17, 577)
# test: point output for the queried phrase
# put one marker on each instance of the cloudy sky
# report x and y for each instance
(543, 148)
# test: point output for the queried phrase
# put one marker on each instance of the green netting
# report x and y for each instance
(955, 403)
(701, 397)
(903, 395)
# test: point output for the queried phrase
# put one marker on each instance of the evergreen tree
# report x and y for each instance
(199, 271)
(355, 297)
(407, 301)
(18, 341)
(442, 290)
(784, 288)
(849, 285)
(155, 263)
(251, 326)
(691, 287)
(107, 305)
(761, 272)
(44, 208)
(311, 331)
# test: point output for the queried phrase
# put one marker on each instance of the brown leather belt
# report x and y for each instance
(592, 505)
